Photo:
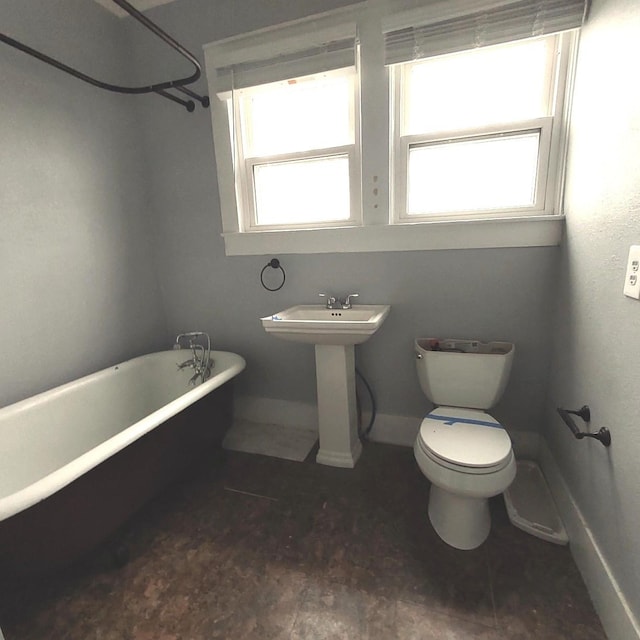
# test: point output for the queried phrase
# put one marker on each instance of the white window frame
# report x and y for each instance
(244, 167)
(377, 228)
(403, 144)
(550, 143)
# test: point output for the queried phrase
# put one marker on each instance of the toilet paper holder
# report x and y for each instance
(603, 435)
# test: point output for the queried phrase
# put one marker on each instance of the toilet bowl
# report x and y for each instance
(467, 462)
(464, 452)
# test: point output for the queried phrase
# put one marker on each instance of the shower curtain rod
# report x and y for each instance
(159, 88)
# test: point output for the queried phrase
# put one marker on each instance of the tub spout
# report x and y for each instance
(200, 361)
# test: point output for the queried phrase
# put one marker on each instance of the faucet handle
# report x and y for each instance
(330, 300)
(347, 300)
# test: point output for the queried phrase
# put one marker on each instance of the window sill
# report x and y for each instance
(530, 231)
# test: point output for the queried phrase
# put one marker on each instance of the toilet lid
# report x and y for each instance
(465, 437)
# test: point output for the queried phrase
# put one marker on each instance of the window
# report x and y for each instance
(296, 164)
(473, 132)
(395, 126)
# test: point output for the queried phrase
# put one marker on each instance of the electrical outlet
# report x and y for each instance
(632, 278)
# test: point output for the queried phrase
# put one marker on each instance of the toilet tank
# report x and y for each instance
(463, 373)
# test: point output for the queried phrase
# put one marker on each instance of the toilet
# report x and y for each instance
(461, 449)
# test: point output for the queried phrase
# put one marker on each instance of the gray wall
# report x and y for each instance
(90, 182)
(490, 294)
(79, 289)
(597, 330)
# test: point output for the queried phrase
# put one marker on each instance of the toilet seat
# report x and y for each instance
(466, 440)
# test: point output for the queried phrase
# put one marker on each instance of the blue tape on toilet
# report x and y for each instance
(451, 420)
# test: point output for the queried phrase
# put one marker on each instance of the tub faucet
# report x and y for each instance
(200, 361)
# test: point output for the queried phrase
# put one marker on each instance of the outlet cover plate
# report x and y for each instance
(632, 277)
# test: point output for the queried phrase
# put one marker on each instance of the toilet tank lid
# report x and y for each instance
(465, 437)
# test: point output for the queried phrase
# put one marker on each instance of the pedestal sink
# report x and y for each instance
(334, 332)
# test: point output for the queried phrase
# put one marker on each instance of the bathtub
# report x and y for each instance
(78, 460)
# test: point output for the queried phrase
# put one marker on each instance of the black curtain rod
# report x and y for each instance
(159, 88)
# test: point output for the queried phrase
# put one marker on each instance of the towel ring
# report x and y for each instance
(274, 263)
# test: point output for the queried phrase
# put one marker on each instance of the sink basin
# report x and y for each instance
(315, 324)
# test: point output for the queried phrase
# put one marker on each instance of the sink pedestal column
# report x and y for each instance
(337, 415)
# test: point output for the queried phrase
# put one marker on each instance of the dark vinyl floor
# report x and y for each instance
(267, 548)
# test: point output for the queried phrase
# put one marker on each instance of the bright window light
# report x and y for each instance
(307, 113)
(472, 131)
(296, 151)
(302, 192)
(473, 175)
(490, 85)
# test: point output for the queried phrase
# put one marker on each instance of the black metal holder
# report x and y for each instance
(204, 100)
(274, 263)
(159, 88)
(603, 435)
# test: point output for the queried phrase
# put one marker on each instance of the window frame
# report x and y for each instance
(401, 169)
(244, 166)
(545, 198)
(375, 230)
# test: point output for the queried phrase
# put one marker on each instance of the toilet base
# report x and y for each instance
(462, 522)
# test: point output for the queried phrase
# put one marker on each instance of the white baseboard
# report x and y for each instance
(388, 428)
(609, 601)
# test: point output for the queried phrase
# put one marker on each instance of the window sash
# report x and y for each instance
(249, 211)
(541, 204)
(552, 153)
(243, 97)
(553, 50)
(243, 165)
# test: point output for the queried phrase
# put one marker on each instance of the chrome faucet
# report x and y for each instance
(332, 301)
(336, 303)
(200, 361)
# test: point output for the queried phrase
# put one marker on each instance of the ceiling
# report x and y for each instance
(140, 5)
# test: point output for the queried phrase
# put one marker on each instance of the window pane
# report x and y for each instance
(298, 115)
(490, 85)
(302, 191)
(473, 175)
